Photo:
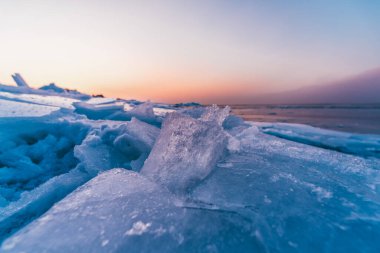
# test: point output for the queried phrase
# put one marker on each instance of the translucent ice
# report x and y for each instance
(214, 113)
(185, 152)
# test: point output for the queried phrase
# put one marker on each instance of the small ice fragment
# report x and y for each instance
(138, 228)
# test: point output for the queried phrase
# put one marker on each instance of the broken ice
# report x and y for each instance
(108, 175)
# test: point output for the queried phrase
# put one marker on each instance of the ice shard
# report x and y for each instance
(19, 80)
(185, 152)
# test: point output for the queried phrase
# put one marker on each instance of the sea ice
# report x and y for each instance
(123, 144)
(13, 109)
(357, 144)
(209, 181)
(19, 80)
(122, 211)
(96, 112)
(185, 152)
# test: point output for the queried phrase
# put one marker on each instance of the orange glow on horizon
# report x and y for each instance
(183, 90)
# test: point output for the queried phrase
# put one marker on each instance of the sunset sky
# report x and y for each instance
(200, 50)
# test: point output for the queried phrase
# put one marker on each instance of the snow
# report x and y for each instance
(192, 179)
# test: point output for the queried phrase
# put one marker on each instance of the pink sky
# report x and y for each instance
(174, 51)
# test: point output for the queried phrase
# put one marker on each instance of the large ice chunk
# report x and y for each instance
(122, 211)
(185, 152)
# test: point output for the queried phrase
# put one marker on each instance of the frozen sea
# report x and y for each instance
(359, 118)
(109, 175)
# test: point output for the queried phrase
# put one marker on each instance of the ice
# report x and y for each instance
(53, 89)
(37, 167)
(123, 145)
(358, 144)
(202, 181)
(45, 91)
(20, 109)
(298, 197)
(35, 202)
(122, 211)
(214, 113)
(97, 112)
(100, 100)
(116, 110)
(162, 111)
(185, 152)
(30, 156)
(19, 80)
(143, 112)
(57, 101)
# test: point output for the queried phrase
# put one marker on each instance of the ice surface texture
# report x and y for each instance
(122, 211)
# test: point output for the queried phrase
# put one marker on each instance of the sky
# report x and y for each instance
(176, 51)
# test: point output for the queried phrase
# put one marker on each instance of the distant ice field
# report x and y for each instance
(362, 118)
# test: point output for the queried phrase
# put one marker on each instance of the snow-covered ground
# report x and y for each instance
(106, 175)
